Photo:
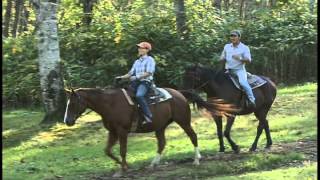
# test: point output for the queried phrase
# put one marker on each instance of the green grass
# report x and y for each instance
(34, 152)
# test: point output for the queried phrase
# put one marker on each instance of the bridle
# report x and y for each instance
(80, 102)
(195, 77)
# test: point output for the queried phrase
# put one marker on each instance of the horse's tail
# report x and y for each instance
(215, 106)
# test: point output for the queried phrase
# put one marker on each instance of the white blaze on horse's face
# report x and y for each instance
(66, 112)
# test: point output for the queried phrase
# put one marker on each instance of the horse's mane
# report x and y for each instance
(212, 73)
(99, 91)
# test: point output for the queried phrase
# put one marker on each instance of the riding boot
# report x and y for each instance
(147, 119)
(251, 104)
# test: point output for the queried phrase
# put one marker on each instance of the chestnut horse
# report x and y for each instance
(216, 84)
(118, 115)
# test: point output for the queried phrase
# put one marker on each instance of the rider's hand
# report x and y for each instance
(237, 57)
(133, 78)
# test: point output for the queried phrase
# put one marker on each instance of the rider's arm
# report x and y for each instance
(130, 73)
(144, 75)
(222, 58)
(245, 57)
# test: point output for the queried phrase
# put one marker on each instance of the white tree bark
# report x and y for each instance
(49, 62)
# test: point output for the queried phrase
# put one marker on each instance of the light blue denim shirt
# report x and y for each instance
(229, 50)
(143, 64)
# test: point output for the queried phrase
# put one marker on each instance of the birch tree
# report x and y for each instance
(51, 82)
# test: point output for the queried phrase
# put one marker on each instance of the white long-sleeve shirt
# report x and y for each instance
(229, 50)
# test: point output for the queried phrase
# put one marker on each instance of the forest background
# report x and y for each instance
(97, 40)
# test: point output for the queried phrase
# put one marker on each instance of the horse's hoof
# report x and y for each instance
(252, 149)
(221, 150)
(196, 162)
(236, 149)
(199, 156)
(151, 167)
(268, 145)
(117, 174)
(267, 148)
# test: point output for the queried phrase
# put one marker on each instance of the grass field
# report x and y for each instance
(59, 152)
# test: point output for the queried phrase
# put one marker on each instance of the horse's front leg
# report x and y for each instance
(218, 120)
(112, 139)
(161, 144)
(123, 137)
(234, 146)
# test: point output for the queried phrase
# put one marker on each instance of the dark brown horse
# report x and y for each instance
(118, 116)
(216, 84)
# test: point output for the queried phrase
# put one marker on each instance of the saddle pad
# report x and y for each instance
(253, 80)
(163, 96)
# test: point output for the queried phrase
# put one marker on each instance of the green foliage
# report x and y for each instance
(21, 84)
(282, 42)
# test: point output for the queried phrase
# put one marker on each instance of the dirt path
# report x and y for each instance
(306, 147)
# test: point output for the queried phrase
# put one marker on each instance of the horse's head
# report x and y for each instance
(192, 78)
(75, 107)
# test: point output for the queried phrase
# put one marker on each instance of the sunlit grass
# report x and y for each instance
(33, 152)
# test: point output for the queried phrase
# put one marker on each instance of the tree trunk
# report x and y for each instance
(7, 17)
(217, 4)
(87, 11)
(18, 5)
(52, 87)
(226, 4)
(181, 18)
(241, 9)
(272, 3)
(25, 19)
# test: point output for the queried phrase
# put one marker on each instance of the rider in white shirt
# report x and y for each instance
(235, 55)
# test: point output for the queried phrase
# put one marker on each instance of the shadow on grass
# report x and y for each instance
(18, 136)
(21, 126)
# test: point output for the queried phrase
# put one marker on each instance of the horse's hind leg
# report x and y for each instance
(161, 144)
(112, 139)
(193, 137)
(268, 136)
(263, 124)
(234, 146)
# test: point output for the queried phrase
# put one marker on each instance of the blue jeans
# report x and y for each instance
(242, 76)
(141, 88)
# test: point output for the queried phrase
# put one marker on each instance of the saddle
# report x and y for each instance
(254, 82)
(154, 96)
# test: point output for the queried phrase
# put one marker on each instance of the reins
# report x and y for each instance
(202, 85)
(83, 114)
(80, 103)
